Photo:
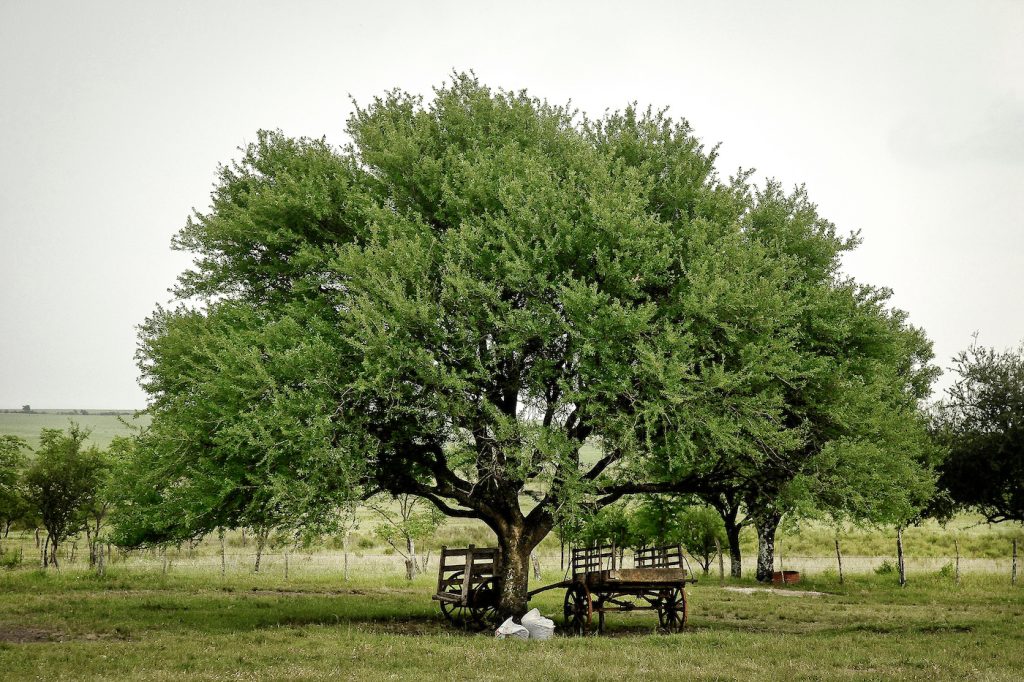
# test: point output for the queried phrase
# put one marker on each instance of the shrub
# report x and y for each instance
(886, 568)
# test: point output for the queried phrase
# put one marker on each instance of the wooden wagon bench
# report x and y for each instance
(657, 582)
(468, 589)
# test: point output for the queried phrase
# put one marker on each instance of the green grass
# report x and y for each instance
(156, 627)
(104, 426)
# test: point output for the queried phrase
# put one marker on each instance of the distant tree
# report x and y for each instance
(981, 422)
(675, 520)
(702, 533)
(405, 520)
(96, 511)
(61, 483)
(655, 519)
(13, 505)
(26, 408)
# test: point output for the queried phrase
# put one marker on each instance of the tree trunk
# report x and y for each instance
(766, 523)
(261, 541)
(92, 549)
(732, 532)
(514, 571)
(344, 549)
(721, 563)
(410, 558)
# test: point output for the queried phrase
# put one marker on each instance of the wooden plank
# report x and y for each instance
(476, 551)
(447, 597)
(467, 576)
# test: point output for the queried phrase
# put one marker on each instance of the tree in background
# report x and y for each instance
(981, 423)
(702, 533)
(853, 408)
(60, 484)
(405, 520)
(13, 505)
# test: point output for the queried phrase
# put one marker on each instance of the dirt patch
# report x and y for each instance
(781, 593)
(16, 634)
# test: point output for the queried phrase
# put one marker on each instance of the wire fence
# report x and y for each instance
(297, 564)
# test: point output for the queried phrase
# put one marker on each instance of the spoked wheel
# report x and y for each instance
(672, 611)
(484, 603)
(578, 609)
(457, 614)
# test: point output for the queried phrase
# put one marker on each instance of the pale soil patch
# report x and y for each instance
(781, 593)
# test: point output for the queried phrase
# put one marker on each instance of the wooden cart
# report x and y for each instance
(467, 588)
(657, 582)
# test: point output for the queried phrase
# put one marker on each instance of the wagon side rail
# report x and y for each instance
(593, 559)
(460, 571)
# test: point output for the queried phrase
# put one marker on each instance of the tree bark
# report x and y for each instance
(732, 532)
(410, 558)
(514, 572)
(728, 507)
(261, 541)
(766, 523)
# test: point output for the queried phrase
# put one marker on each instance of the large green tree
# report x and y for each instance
(450, 307)
(859, 448)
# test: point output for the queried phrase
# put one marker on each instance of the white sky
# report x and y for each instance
(905, 120)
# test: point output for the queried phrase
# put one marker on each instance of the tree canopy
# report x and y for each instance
(479, 284)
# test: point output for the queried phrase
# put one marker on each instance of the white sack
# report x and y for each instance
(510, 629)
(538, 626)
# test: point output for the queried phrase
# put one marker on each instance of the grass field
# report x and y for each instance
(170, 614)
(146, 626)
(104, 427)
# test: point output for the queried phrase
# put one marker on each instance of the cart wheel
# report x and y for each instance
(483, 603)
(458, 615)
(578, 609)
(672, 612)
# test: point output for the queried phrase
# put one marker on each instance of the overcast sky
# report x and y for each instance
(905, 120)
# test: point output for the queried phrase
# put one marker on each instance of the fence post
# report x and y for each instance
(721, 562)
(1013, 570)
(286, 565)
(839, 558)
(899, 556)
(956, 571)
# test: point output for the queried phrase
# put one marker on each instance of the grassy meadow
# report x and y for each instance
(133, 625)
(197, 613)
